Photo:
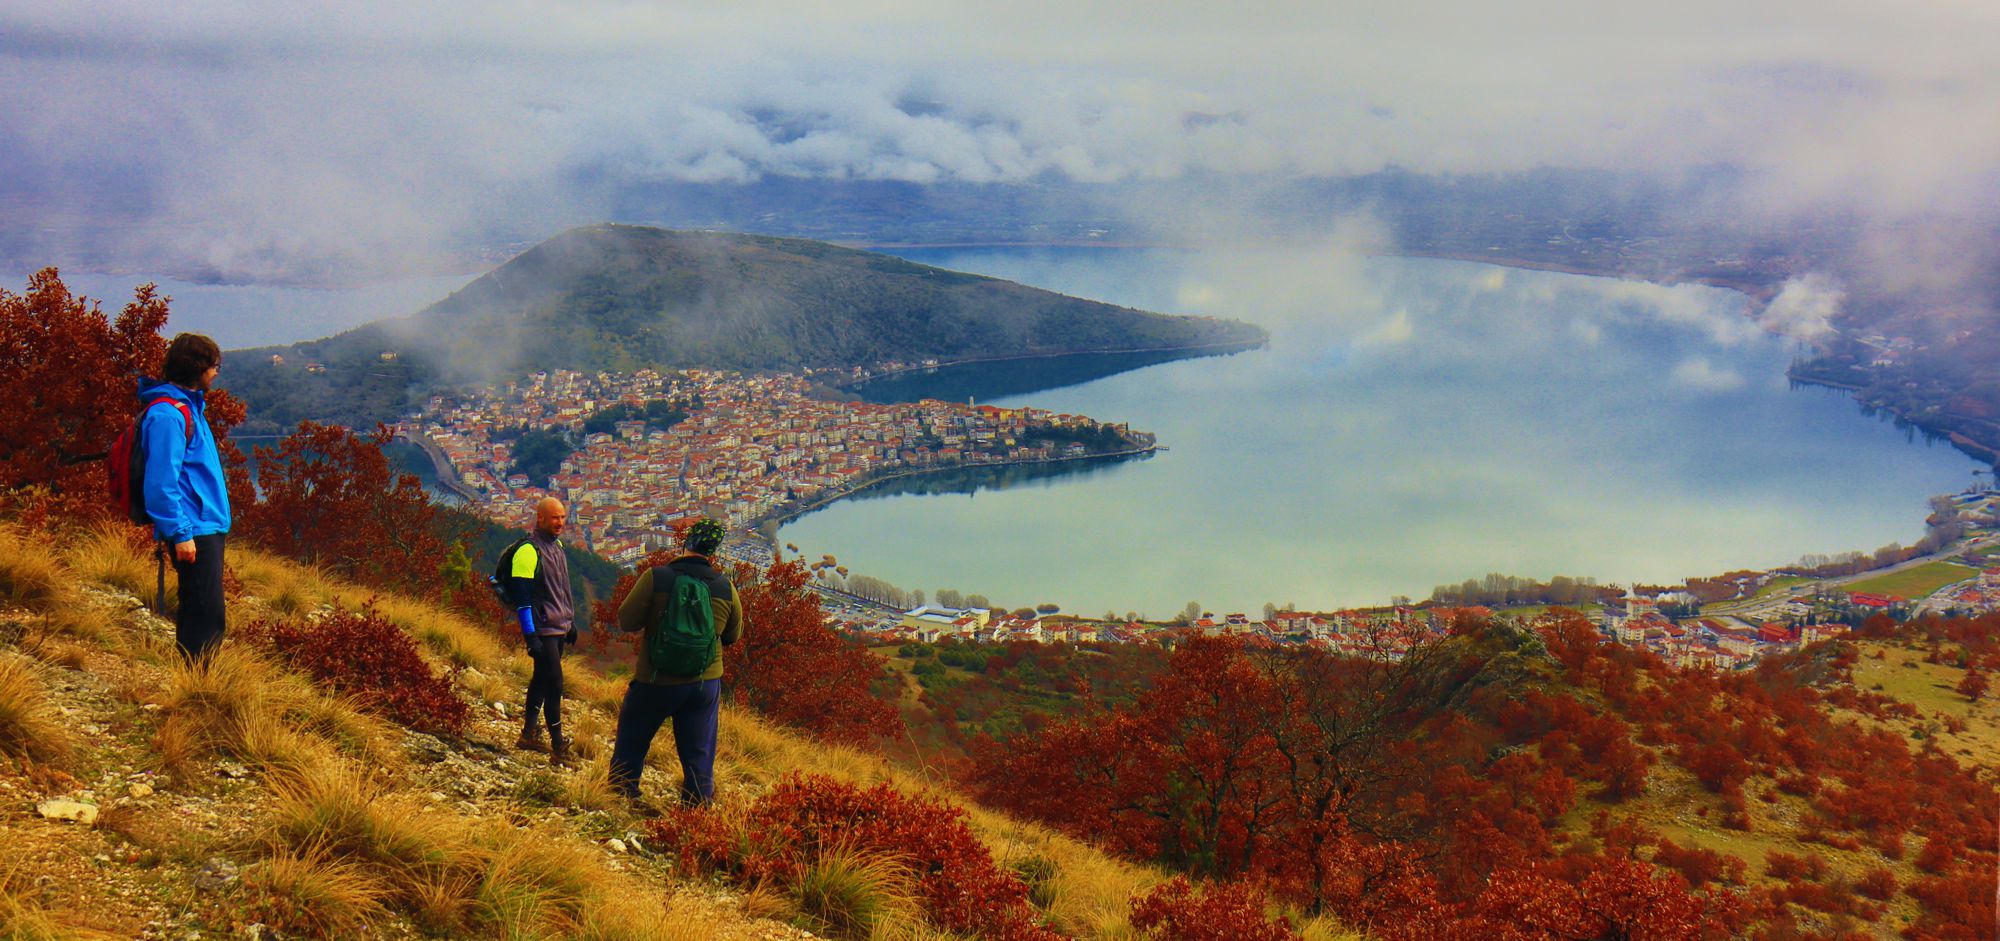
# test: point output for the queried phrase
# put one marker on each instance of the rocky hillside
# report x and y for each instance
(619, 298)
(142, 799)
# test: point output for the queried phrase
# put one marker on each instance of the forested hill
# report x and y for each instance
(618, 298)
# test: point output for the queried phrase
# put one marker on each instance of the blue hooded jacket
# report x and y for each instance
(185, 492)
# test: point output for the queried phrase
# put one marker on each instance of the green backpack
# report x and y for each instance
(683, 642)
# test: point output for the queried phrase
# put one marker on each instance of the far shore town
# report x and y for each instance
(1778, 612)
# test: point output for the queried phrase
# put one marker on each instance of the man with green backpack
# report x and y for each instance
(688, 611)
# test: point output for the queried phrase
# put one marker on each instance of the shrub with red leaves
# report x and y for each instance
(805, 816)
(1698, 866)
(364, 655)
(1878, 884)
(1810, 867)
(1958, 907)
(1177, 911)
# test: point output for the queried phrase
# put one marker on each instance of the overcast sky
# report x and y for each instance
(274, 127)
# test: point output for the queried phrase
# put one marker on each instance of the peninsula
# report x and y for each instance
(618, 299)
(736, 447)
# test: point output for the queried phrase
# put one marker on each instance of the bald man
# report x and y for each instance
(537, 584)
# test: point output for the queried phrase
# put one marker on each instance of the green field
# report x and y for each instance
(1916, 582)
(1782, 584)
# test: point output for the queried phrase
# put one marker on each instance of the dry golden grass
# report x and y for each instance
(1325, 928)
(29, 724)
(239, 704)
(313, 894)
(284, 586)
(453, 639)
(645, 917)
(1083, 892)
(30, 575)
(589, 787)
(532, 879)
(23, 919)
(352, 817)
(440, 903)
(587, 686)
(590, 733)
(105, 555)
(456, 878)
(764, 900)
(856, 895)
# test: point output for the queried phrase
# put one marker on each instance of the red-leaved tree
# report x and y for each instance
(69, 374)
(330, 499)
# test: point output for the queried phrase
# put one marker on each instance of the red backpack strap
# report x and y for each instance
(187, 414)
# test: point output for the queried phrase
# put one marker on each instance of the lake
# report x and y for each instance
(1413, 422)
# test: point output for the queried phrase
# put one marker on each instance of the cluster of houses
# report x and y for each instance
(1981, 596)
(755, 447)
(1385, 633)
(1715, 642)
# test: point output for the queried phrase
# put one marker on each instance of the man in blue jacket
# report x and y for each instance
(185, 495)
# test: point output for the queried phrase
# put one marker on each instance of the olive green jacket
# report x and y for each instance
(642, 609)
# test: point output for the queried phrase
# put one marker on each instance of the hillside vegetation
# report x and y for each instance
(619, 298)
(253, 793)
(1528, 780)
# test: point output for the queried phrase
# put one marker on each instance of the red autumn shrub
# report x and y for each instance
(365, 656)
(1878, 884)
(1177, 911)
(1958, 907)
(1719, 766)
(1811, 866)
(805, 816)
(1938, 854)
(1699, 866)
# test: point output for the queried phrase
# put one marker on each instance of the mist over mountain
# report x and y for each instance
(620, 298)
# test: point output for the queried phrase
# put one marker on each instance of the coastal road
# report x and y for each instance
(1766, 608)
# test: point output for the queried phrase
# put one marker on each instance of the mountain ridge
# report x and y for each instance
(618, 298)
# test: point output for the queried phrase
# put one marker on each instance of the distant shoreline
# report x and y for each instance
(1231, 345)
(1757, 290)
(781, 518)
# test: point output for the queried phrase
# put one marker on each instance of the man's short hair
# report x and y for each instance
(188, 356)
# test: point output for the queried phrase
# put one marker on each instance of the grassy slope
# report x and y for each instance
(1915, 583)
(359, 826)
(1678, 806)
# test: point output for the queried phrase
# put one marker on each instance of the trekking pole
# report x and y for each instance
(160, 578)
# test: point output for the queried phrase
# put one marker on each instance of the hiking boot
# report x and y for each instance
(531, 738)
(643, 808)
(559, 755)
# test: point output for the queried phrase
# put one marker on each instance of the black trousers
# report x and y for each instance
(199, 623)
(545, 688)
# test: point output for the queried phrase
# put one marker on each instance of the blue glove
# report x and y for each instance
(527, 629)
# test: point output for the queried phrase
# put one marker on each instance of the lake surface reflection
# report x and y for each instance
(1413, 422)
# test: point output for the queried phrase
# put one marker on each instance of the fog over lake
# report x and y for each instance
(240, 316)
(1413, 422)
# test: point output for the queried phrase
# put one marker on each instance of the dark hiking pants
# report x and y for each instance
(695, 708)
(199, 623)
(545, 688)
